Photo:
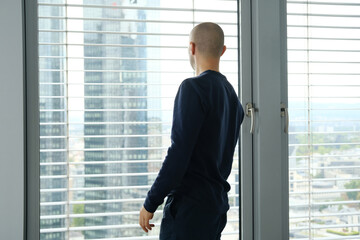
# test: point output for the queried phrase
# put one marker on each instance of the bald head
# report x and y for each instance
(209, 39)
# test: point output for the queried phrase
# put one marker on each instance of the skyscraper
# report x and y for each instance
(120, 89)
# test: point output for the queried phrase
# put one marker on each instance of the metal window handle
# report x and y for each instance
(250, 112)
(285, 113)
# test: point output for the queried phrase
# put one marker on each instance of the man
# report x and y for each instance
(206, 124)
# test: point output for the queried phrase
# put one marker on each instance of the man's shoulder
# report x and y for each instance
(197, 82)
(191, 84)
(192, 80)
(196, 85)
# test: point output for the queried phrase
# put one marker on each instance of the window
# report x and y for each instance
(324, 100)
(108, 75)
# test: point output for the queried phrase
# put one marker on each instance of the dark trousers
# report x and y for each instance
(185, 220)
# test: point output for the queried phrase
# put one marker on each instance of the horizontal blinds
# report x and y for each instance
(324, 100)
(108, 75)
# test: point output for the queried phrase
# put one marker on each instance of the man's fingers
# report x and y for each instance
(144, 229)
(148, 225)
(144, 219)
(142, 224)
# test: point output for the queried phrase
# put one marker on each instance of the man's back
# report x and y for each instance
(212, 156)
(206, 123)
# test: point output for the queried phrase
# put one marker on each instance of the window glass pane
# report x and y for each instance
(324, 100)
(108, 75)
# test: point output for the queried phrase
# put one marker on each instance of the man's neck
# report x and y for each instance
(209, 64)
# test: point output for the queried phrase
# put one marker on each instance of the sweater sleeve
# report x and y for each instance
(188, 117)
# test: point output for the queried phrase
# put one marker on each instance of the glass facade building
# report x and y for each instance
(115, 115)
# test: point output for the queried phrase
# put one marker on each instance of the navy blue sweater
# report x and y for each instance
(206, 125)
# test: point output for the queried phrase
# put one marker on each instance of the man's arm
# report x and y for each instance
(188, 117)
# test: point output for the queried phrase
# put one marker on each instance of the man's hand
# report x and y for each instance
(144, 219)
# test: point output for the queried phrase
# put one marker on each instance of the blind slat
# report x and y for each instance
(138, 8)
(129, 20)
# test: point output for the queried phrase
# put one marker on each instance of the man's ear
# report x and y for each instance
(192, 48)
(224, 49)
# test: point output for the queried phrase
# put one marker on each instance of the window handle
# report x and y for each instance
(285, 113)
(250, 112)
